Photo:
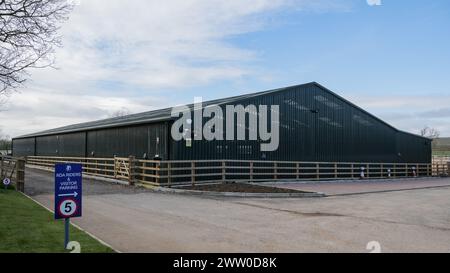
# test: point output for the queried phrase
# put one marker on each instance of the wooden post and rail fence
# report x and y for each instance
(185, 172)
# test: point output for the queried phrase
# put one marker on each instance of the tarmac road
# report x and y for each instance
(138, 220)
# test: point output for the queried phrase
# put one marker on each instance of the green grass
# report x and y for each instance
(27, 227)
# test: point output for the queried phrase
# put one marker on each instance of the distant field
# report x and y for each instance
(441, 153)
(441, 147)
(27, 227)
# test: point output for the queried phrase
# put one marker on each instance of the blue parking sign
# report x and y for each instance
(68, 190)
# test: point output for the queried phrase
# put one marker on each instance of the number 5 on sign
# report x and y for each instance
(67, 208)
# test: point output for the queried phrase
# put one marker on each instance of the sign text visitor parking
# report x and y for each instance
(68, 191)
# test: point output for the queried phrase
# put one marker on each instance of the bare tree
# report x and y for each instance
(430, 132)
(5, 142)
(28, 35)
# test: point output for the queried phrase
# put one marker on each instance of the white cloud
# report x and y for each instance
(410, 113)
(158, 45)
(154, 44)
(410, 101)
(374, 2)
(42, 109)
(140, 45)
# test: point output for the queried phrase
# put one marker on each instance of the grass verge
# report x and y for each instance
(27, 227)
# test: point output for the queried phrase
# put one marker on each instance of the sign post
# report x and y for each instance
(68, 194)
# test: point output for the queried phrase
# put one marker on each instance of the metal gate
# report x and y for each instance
(121, 168)
(124, 168)
(14, 169)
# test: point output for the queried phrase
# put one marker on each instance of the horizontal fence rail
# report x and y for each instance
(116, 168)
(170, 173)
(441, 159)
(441, 165)
(182, 172)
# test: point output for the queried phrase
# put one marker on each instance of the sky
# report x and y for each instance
(391, 57)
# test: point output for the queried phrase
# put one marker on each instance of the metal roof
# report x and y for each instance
(165, 114)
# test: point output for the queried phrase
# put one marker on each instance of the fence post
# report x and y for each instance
(297, 170)
(275, 170)
(224, 176)
(20, 175)
(1, 168)
(169, 173)
(317, 171)
(193, 173)
(368, 170)
(335, 171)
(143, 178)
(251, 171)
(157, 178)
(395, 170)
(353, 170)
(131, 167)
(406, 170)
(115, 168)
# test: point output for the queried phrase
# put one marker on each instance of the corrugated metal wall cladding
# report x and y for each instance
(47, 146)
(149, 140)
(72, 144)
(23, 147)
(315, 125)
(413, 149)
(61, 145)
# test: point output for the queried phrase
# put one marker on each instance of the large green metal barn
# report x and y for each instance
(316, 125)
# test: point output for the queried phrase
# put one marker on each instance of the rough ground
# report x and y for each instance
(240, 187)
(134, 220)
(365, 186)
